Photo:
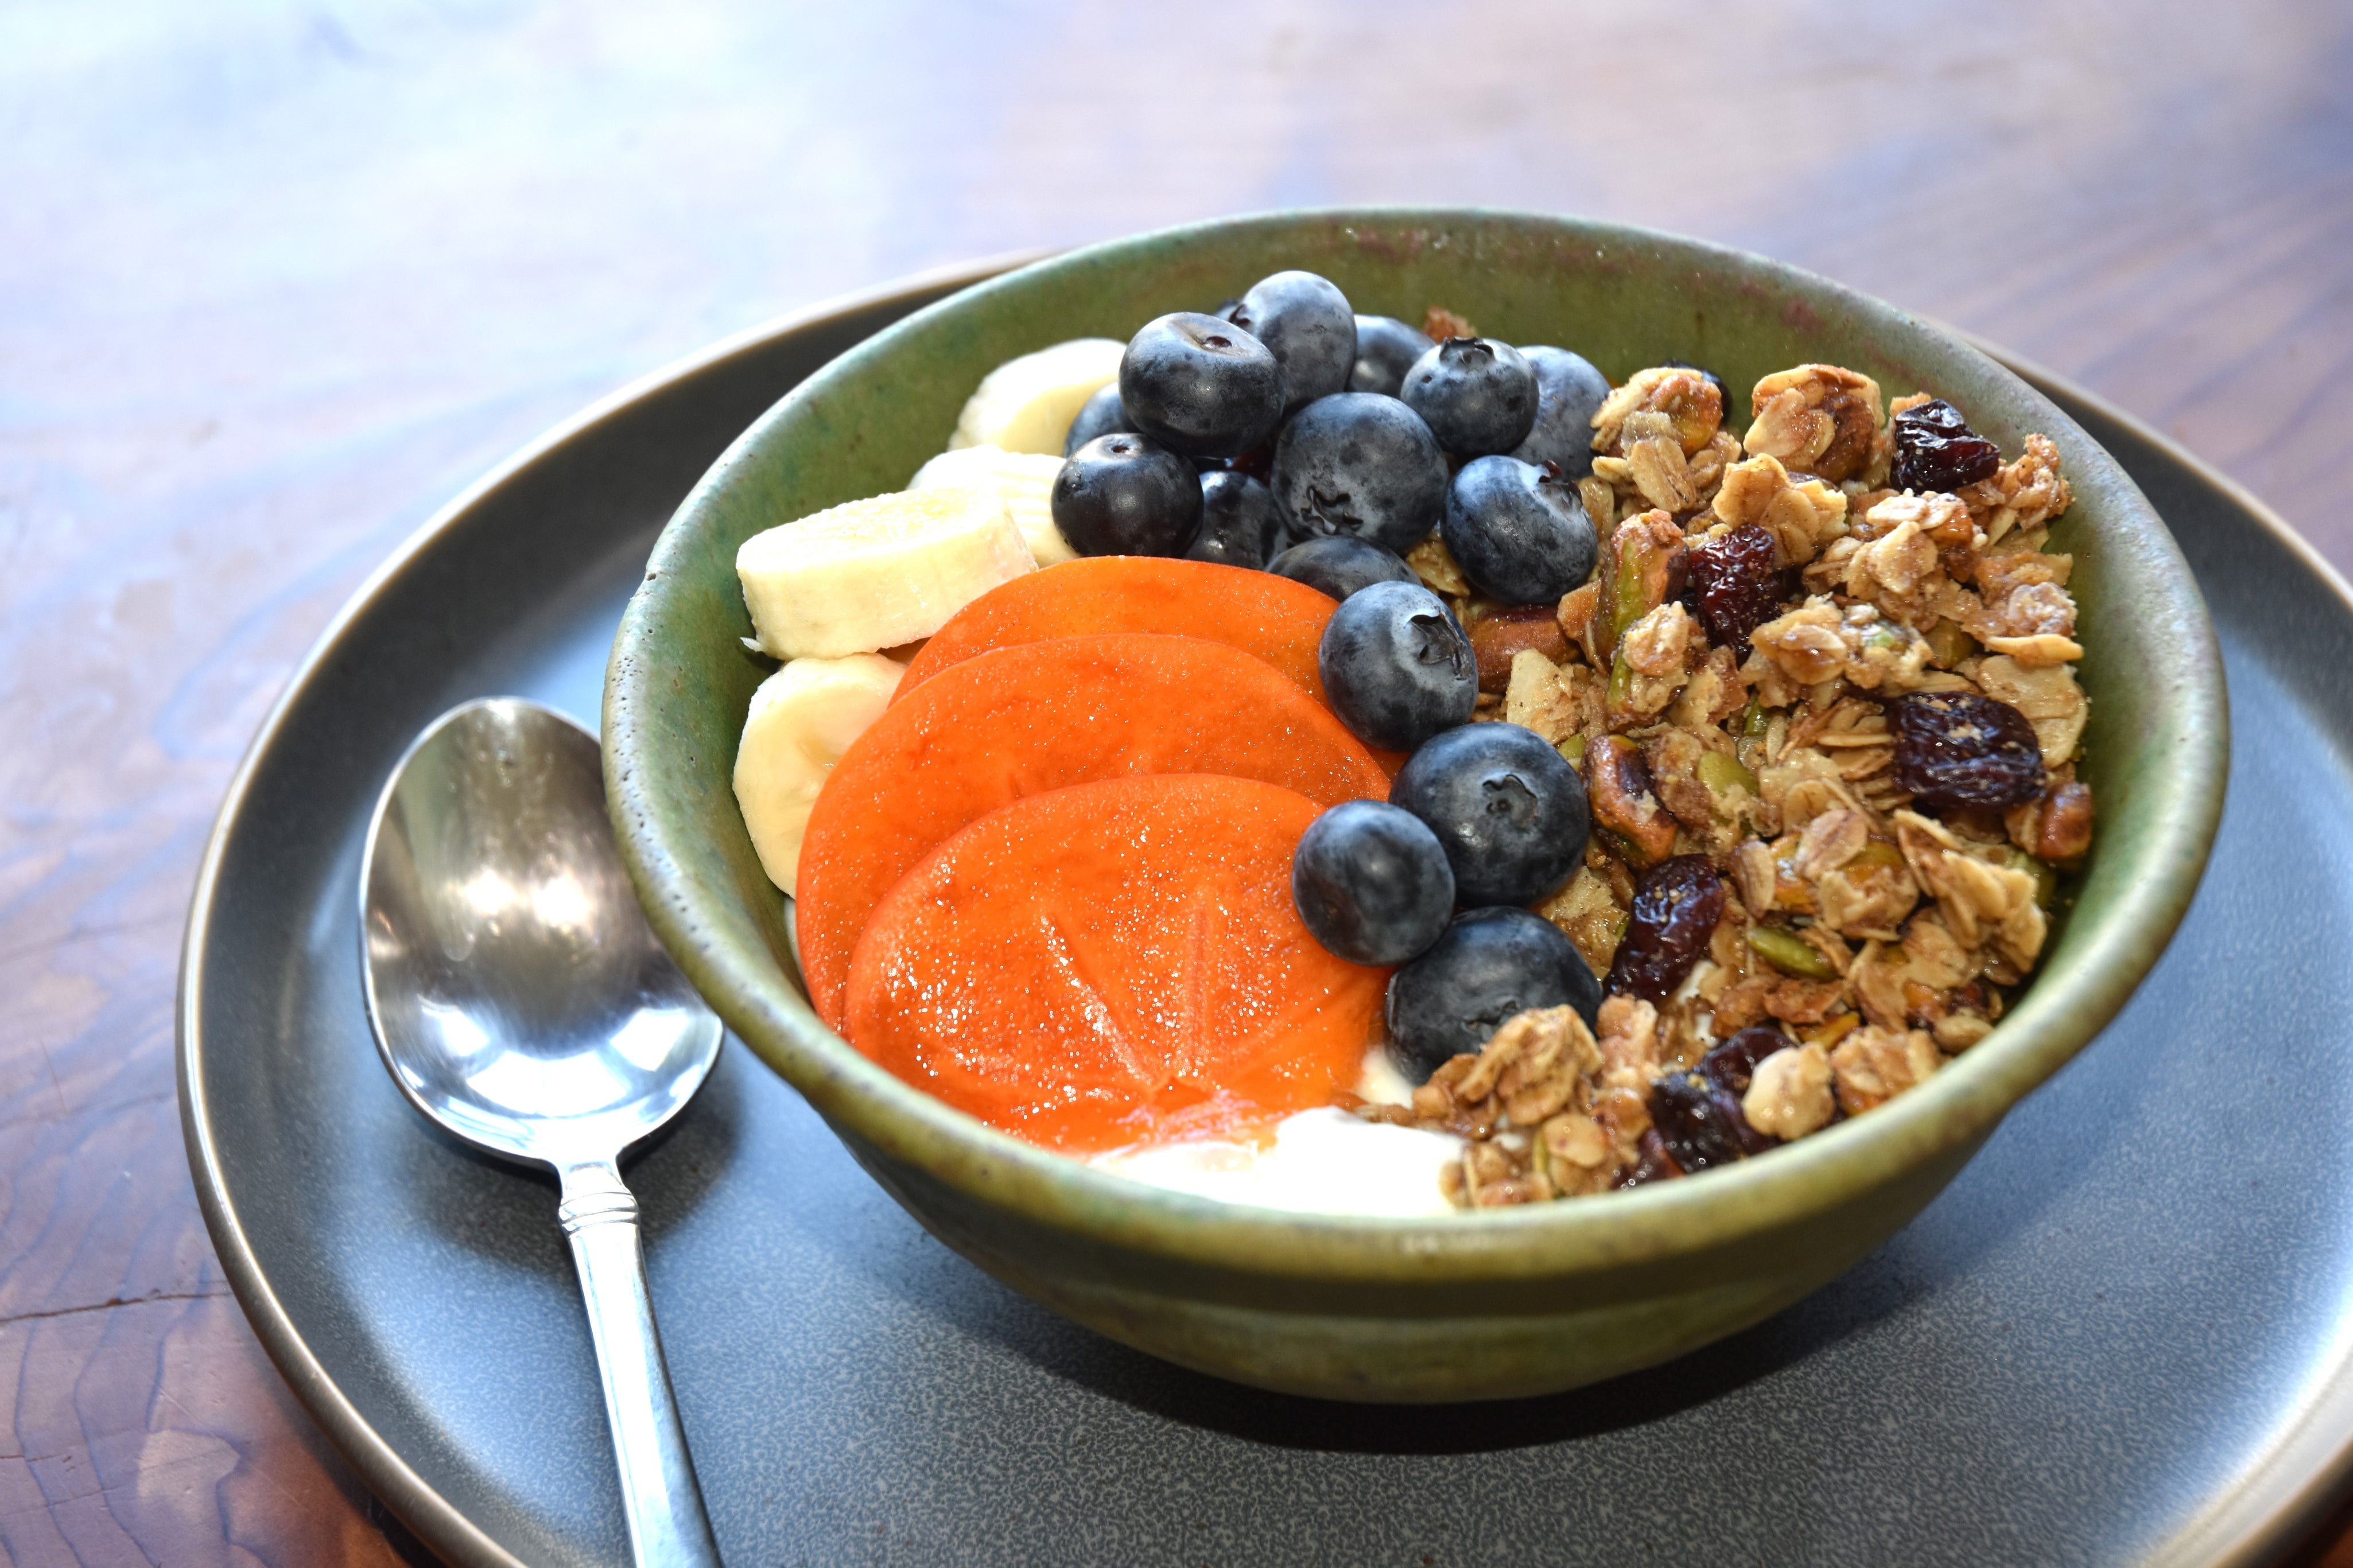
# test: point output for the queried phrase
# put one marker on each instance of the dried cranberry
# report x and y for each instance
(1734, 1062)
(1937, 450)
(1732, 587)
(1701, 1123)
(1956, 749)
(1676, 906)
(1652, 1163)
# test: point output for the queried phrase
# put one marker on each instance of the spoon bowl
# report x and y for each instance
(522, 1003)
(519, 997)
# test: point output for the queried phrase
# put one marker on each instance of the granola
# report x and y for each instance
(1724, 709)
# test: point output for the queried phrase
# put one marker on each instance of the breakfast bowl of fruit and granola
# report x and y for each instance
(1415, 805)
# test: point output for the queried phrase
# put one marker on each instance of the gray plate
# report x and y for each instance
(2118, 1337)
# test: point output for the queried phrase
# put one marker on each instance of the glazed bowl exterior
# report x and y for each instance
(1475, 1305)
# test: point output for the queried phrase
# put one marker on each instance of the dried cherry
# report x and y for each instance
(1731, 585)
(1676, 906)
(1937, 450)
(1957, 750)
(1701, 1123)
(1652, 1163)
(1732, 1064)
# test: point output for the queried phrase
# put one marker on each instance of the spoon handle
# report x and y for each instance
(668, 1528)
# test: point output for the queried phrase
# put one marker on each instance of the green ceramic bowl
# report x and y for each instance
(1478, 1305)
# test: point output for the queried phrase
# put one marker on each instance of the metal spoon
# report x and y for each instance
(521, 1001)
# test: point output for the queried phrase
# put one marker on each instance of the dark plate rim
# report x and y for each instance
(2231, 1530)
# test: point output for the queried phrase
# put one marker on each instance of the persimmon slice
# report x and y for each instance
(1020, 720)
(1100, 964)
(1269, 617)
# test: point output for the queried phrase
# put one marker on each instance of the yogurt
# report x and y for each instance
(1325, 1160)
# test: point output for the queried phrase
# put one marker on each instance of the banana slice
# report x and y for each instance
(878, 572)
(1026, 480)
(802, 719)
(1026, 405)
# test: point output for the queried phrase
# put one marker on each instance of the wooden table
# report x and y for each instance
(274, 284)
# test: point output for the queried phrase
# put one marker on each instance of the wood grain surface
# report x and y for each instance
(277, 280)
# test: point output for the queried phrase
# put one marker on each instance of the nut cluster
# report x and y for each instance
(1830, 730)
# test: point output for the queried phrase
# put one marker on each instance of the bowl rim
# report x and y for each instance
(1961, 1104)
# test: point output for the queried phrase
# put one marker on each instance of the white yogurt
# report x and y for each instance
(1325, 1160)
(1321, 1162)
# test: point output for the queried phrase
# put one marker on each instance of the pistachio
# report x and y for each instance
(1790, 954)
(1722, 772)
(1618, 783)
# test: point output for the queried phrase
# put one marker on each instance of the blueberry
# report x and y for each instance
(1372, 882)
(1122, 495)
(1507, 806)
(1519, 533)
(1340, 565)
(1477, 395)
(1360, 464)
(1488, 965)
(1305, 321)
(1097, 416)
(1201, 386)
(1568, 391)
(1396, 666)
(1386, 350)
(1239, 526)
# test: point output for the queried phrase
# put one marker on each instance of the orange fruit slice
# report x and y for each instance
(1269, 617)
(1023, 720)
(1112, 962)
